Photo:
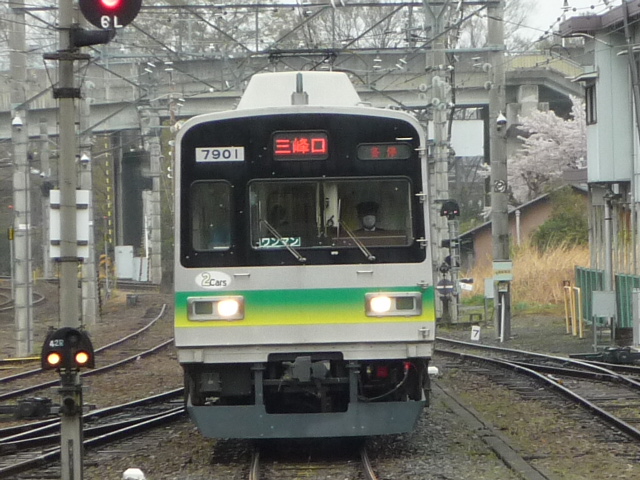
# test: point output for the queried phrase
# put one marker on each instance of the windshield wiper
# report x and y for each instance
(365, 251)
(281, 239)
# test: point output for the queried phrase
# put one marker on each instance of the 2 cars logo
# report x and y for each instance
(213, 280)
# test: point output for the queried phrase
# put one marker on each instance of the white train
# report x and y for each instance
(303, 273)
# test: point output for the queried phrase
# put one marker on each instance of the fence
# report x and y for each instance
(590, 280)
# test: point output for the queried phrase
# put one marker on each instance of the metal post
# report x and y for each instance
(498, 145)
(22, 280)
(107, 286)
(12, 261)
(454, 257)
(89, 273)
(438, 94)
(608, 256)
(155, 220)
(45, 168)
(608, 243)
(66, 94)
(71, 449)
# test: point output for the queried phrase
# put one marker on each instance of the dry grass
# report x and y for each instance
(537, 277)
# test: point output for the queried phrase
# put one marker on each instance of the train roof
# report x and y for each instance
(279, 88)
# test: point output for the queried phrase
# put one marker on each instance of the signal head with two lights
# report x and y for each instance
(67, 349)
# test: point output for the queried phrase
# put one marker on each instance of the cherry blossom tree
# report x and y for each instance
(551, 144)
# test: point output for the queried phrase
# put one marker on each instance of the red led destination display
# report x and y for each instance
(384, 151)
(300, 146)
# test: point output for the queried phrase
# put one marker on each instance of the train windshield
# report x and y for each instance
(211, 215)
(330, 213)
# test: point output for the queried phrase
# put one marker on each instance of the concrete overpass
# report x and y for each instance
(118, 88)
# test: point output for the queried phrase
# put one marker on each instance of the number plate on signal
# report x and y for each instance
(220, 154)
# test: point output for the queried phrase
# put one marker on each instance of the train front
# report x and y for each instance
(303, 274)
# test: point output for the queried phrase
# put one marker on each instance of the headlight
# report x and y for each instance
(228, 307)
(380, 304)
(394, 304)
(202, 309)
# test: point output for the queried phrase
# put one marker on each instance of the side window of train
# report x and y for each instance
(210, 210)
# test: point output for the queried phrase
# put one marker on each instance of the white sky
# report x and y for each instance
(546, 12)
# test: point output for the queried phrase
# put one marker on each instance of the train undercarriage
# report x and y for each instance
(289, 396)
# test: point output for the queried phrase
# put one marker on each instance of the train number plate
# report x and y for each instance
(220, 154)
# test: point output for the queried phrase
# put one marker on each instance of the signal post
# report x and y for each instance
(68, 349)
(71, 438)
(110, 15)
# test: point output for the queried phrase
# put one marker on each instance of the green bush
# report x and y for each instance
(568, 224)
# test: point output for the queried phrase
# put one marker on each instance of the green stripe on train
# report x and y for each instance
(303, 307)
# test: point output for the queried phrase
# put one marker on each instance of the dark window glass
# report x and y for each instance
(211, 215)
(330, 213)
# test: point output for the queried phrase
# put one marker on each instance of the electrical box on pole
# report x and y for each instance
(110, 14)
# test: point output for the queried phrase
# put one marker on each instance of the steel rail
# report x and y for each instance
(41, 428)
(88, 432)
(35, 371)
(8, 305)
(53, 383)
(553, 384)
(369, 474)
(254, 468)
(598, 367)
(54, 454)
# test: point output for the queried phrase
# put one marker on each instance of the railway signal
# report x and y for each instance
(110, 14)
(450, 209)
(67, 349)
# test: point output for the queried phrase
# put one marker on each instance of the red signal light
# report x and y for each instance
(110, 14)
(111, 4)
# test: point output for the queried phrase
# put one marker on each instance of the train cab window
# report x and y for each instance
(371, 212)
(331, 213)
(211, 215)
(282, 213)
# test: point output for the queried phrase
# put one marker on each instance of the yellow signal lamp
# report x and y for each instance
(82, 358)
(54, 359)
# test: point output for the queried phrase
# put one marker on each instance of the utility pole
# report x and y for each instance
(89, 273)
(22, 280)
(498, 148)
(71, 451)
(75, 344)
(153, 205)
(66, 93)
(439, 88)
(45, 168)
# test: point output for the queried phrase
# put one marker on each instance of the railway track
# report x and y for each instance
(35, 445)
(9, 390)
(6, 302)
(349, 463)
(117, 354)
(26, 446)
(608, 394)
